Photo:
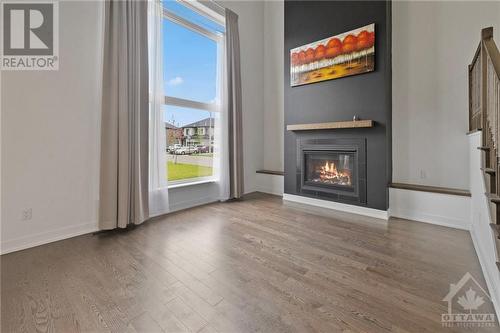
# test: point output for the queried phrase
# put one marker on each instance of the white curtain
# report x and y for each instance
(158, 184)
(221, 153)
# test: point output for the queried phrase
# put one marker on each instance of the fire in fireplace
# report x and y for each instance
(329, 169)
(332, 168)
(330, 174)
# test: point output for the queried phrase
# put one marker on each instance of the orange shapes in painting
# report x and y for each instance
(302, 58)
(309, 55)
(319, 52)
(346, 54)
(349, 44)
(333, 48)
(365, 40)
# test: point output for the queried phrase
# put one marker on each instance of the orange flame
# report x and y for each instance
(329, 173)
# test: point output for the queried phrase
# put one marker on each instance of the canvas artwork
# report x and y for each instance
(350, 53)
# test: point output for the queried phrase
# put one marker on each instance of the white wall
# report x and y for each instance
(441, 209)
(272, 184)
(274, 25)
(433, 43)
(49, 137)
(251, 25)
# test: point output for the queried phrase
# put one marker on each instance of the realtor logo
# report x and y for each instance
(466, 299)
(30, 39)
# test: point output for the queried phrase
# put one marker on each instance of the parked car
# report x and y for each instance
(202, 149)
(186, 150)
(173, 147)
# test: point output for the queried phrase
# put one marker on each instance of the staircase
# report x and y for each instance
(484, 115)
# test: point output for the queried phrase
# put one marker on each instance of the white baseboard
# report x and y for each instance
(365, 211)
(435, 208)
(22, 243)
(272, 184)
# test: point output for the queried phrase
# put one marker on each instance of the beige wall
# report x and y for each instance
(433, 43)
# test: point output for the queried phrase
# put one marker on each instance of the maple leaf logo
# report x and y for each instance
(470, 301)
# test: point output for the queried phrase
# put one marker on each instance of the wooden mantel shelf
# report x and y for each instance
(331, 125)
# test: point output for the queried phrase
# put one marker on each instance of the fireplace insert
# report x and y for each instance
(332, 169)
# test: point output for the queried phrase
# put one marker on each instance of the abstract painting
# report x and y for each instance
(350, 53)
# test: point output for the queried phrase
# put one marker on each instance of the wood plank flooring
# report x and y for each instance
(255, 265)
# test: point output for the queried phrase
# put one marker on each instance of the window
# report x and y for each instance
(191, 46)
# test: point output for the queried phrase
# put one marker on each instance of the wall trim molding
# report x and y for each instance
(446, 210)
(365, 211)
(22, 243)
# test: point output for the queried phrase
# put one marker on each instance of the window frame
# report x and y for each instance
(213, 107)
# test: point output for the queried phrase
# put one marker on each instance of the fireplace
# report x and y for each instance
(332, 169)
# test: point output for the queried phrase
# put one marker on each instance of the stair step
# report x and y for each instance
(489, 171)
(484, 148)
(493, 198)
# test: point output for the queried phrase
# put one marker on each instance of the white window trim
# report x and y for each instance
(191, 181)
(187, 103)
(208, 8)
(192, 26)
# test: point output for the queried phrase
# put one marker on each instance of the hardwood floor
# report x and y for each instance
(251, 266)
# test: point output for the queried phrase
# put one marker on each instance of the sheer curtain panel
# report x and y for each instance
(158, 185)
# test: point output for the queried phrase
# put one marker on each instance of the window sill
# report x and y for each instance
(186, 184)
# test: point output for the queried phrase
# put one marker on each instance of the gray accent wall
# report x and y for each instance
(366, 95)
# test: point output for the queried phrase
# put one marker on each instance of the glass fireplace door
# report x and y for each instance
(329, 168)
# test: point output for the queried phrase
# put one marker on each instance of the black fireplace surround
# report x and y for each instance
(368, 96)
(333, 168)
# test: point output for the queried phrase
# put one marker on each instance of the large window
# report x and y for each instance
(191, 47)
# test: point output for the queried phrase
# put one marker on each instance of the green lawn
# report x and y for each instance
(178, 171)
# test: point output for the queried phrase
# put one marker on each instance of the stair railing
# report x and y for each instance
(484, 103)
